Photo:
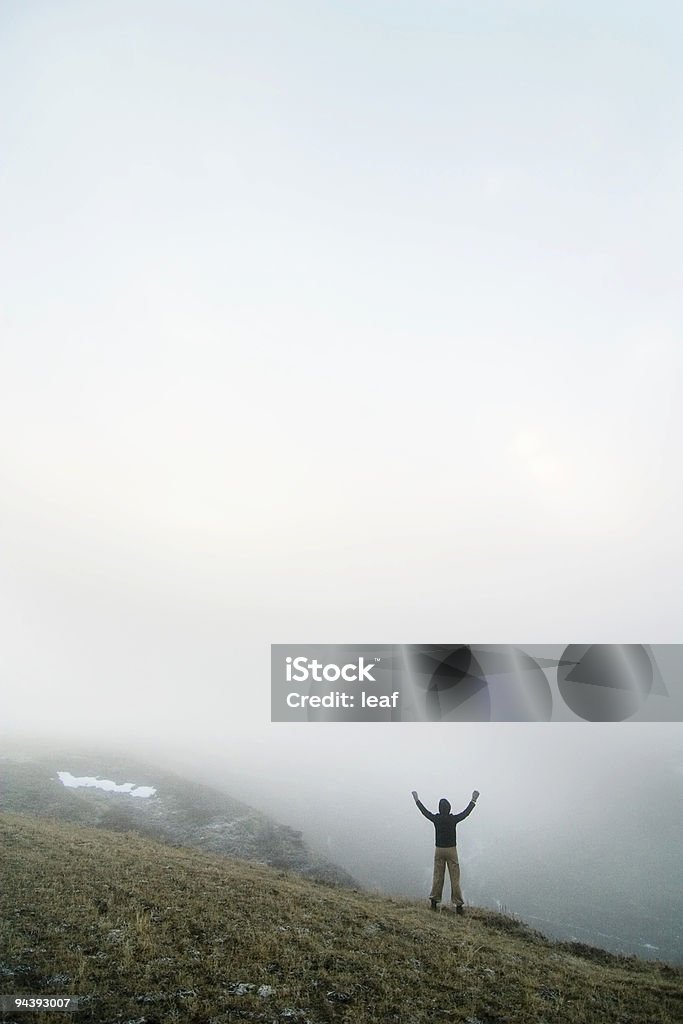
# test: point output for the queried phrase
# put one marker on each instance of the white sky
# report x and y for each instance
(329, 322)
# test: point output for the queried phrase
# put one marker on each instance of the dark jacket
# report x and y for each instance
(444, 821)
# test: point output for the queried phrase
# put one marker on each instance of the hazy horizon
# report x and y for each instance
(586, 845)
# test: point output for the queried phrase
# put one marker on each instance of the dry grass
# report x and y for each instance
(155, 934)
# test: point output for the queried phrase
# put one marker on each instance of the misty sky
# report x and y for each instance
(336, 322)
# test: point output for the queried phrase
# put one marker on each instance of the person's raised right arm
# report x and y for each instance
(470, 807)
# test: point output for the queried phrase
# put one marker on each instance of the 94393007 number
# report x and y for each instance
(23, 1002)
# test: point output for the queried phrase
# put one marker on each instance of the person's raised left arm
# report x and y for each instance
(422, 808)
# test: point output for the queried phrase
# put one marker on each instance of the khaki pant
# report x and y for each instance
(444, 855)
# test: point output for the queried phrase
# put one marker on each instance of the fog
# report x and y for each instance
(578, 828)
(348, 323)
(550, 796)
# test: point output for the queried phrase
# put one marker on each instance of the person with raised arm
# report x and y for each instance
(446, 852)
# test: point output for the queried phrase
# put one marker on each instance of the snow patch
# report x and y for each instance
(67, 779)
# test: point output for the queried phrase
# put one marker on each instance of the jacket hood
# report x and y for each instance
(444, 806)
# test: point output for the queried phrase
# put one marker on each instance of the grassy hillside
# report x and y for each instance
(151, 933)
(180, 812)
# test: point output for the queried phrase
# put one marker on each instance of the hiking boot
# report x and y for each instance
(434, 903)
(460, 910)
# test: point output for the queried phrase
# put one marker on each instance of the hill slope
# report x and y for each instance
(150, 934)
(179, 812)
